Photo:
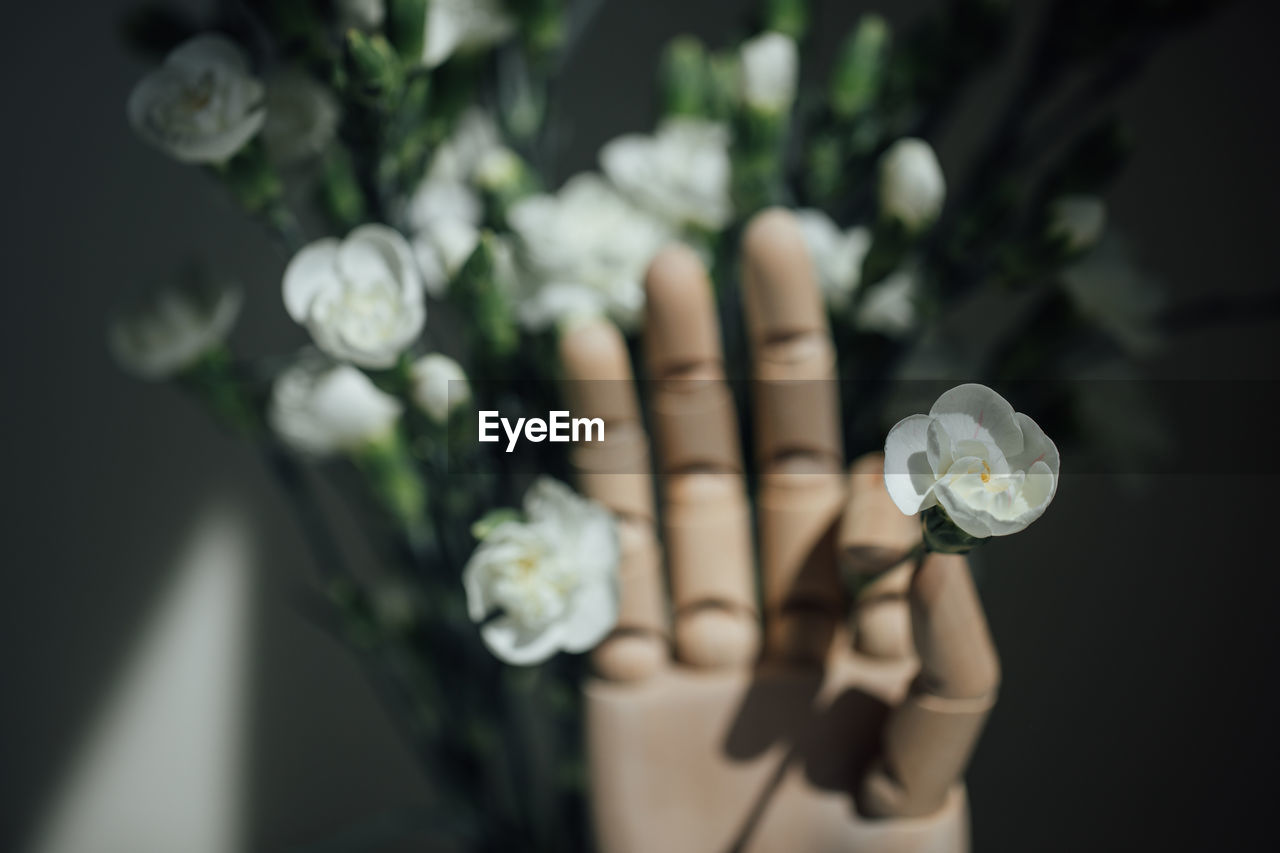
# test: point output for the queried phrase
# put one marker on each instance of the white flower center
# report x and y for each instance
(535, 588)
(364, 315)
(1000, 493)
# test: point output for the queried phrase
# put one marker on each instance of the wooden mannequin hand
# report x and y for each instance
(698, 739)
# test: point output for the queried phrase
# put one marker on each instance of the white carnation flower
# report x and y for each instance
(837, 255)
(681, 173)
(770, 65)
(441, 248)
(993, 470)
(912, 187)
(444, 215)
(889, 306)
(202, 105)
(322, 408)
(302, 116)
(561, 305)
(585, 239)
(458, 26)
(439, 386)
(549, 582)
(474, 137)
(173, 328)
(360, 298)
(439, 198)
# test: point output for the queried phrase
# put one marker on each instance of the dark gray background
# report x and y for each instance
(1137, 633)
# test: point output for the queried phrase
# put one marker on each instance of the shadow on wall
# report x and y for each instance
(162, 768)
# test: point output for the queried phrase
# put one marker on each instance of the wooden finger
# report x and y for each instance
(875, 546)
(798, 439)
(615, 472)
(706, 517)
(928, 738)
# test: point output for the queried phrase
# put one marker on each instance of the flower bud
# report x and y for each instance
(912, 187)
(373, 69)
(482, 294)
(769, 69)
(859, 72)
(683, 77)
(439, 386)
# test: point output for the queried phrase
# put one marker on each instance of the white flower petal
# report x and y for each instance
(595, 612)
(939, 448)
(1036, 447)
(311, 271)
(973, 411)
(394, 249)
(907, 475)
(519, 647)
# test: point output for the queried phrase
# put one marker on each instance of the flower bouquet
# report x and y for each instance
(400, 152)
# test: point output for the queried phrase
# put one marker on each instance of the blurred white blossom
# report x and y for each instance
(457, 26)
(302, 116)
(445, 211)
(912, 187)
(548, 582)
(360, 298)
(837, 255)
(472, 139)
(202, 104)
(361, 14)
(769, 67)
(1078, 220)
(439, 197)
(586, 240)
(499, 168)
(441, 248)
(174, 327)
(889, 307)
(323, 408)
(439, 385)
(993, 470)
(681, 173)
(561, 305)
